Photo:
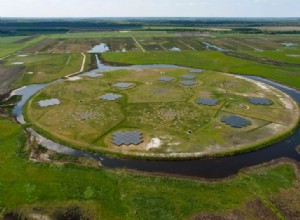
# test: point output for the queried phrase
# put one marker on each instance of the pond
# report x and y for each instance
(210, 46)
(287, 44)
(18, 63)
(101, 48)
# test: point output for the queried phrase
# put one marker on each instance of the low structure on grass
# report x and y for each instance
(196, 71)
(166, 79)
(188, 83)
(187, 76)
(110, 96)
(123, 85)
(260, 101)
(236, 121)
(127, 138)
(49, 102)
(207, 101)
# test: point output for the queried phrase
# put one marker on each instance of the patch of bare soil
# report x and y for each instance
(42, 46)
(8, 75)
(205, 94)
(288, 200)
(63, 45)
(70, 213)
(13, 216)
(42, 155)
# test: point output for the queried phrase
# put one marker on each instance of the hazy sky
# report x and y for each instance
(150, 8)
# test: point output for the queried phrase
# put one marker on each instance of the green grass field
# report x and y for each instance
(8, 45)
(8, 40)
(42, 188)
(43, 68)
(113, 34)
(286, 55)
(210, 60)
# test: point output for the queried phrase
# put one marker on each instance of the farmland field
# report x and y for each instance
(42, 68)
(269, 58)
(10, 45)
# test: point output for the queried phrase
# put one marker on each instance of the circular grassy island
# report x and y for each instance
(163, 113)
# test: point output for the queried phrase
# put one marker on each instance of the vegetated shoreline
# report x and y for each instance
(160, 157)
(270, 178)
(244, 171)
(247, 170)
(190, 156)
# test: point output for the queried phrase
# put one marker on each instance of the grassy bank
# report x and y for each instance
(210, 60)
(115, 195)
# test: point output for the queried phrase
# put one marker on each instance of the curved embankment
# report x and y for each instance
(164, 112)
(209, 168)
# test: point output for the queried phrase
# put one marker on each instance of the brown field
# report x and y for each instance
(8, 76)
(81, 45)
(183, 41)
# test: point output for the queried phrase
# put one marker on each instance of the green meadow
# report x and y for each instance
(28, 188)
(43, 68)
(10, 45)
(210, 60)
(113, 34)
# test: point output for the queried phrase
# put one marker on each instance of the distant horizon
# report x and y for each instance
(149, 17)
(150, 8)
